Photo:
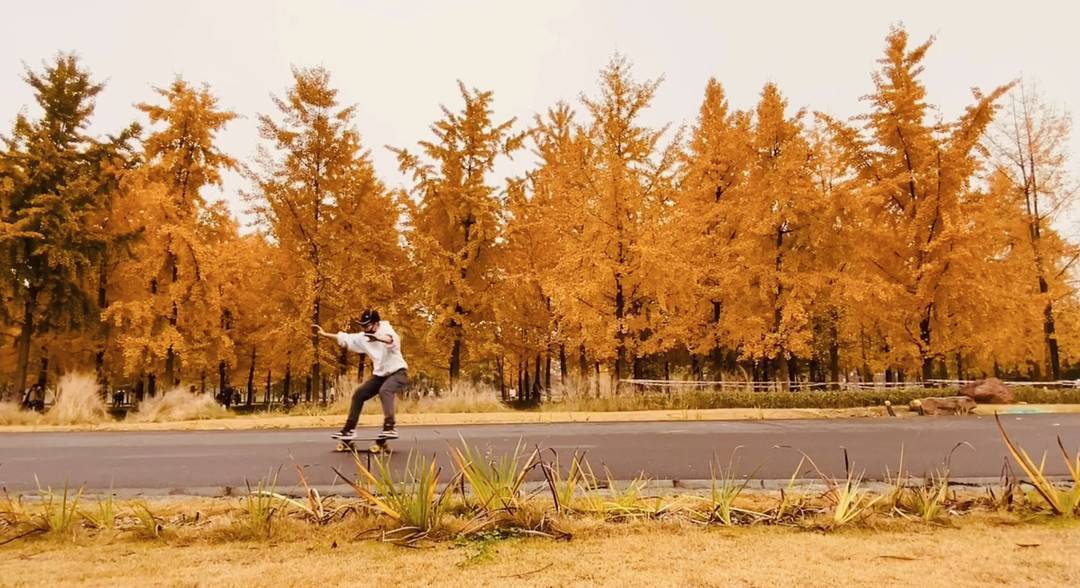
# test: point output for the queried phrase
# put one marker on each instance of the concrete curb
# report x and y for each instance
(651, 487)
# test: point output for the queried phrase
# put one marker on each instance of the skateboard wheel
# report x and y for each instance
(375, 448)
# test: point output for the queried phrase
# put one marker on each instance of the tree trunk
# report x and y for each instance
(99, 368)
(22, 343)
(343, 361)
(1052, 353)
(520, 386)
(500, 372)
(316, 367)
(537, 382)
(251, 379)
(924, 334)
(943, 369)
(140, 388)
(170, 355)
(867, 375)
(562, 364)
(102, 301)
(783, 370)
(223, 384)
(597, 365)
(584, 387)
(817, 375)
(834, 353)
(547, 370)
(778, 309)
(620, 330)
(455, 360)
(42, 377)
(266, 398)
(170, 366)
(287, 385)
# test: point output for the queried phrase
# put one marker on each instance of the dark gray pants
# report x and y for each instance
(386, 387)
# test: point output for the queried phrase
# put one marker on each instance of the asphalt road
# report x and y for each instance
(224, 461)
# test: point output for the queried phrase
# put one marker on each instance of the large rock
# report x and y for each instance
(943, 405)
(988, 391)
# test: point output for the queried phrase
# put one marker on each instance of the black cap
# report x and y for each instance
(369, 317)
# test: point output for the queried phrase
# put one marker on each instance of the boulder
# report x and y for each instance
(943, 405)
(988, 391)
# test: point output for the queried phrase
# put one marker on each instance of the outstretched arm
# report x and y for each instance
(323, 333)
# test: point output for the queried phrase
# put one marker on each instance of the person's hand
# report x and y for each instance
(318, 329)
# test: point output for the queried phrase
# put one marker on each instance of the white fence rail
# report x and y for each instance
(776, 385)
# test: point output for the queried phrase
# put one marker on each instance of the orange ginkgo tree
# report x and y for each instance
(454, 215)
(168, 308)
(614, 182)
(317, 197)
(923, 241)
(1029, 147)
(712, 164)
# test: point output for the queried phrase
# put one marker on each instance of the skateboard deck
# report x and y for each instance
(377, 445)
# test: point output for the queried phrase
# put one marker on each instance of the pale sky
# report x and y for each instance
(398, 60)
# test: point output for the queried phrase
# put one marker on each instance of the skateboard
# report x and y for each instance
(351, 445)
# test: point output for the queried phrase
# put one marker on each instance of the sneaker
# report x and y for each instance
(388, 434)
(344, 434)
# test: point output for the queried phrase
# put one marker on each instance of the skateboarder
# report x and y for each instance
(378, 340)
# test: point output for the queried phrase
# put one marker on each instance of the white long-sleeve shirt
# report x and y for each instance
(385, 357)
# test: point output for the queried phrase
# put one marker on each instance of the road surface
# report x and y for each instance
(218, 462)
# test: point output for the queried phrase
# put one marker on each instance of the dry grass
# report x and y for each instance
(470, 404)
(976, 552)
(11, 414)
(372, 417)
(465, 399)
(78, 401)
(178, 404)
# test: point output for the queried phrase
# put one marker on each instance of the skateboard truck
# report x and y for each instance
(378, 445)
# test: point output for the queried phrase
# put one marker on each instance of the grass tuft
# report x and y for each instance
(495, 482)
(59, 512)
(724, 489)
(1061, 502)
(414, 504)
